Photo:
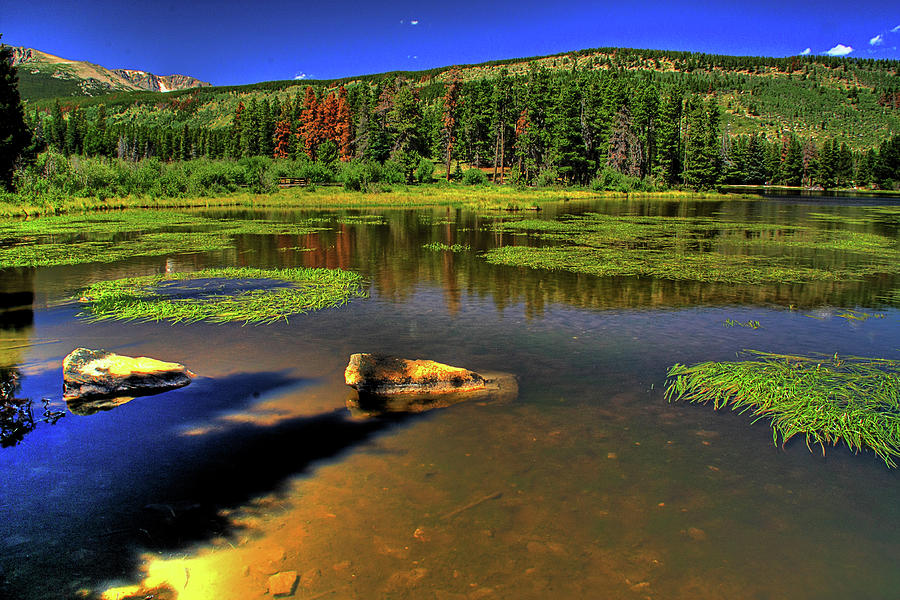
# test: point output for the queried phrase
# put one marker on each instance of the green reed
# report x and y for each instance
(827, 399)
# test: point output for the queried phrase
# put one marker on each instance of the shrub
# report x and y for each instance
(425, 171)
(546, 178)
(358, 175)
(393, 172)
(474, 177)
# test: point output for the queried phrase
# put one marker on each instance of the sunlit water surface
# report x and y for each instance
(587, 485)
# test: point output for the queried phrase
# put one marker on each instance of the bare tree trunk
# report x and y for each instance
(449, 150)
(496, 147)
(502, 151)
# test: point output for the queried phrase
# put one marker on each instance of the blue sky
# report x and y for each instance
(228, 42)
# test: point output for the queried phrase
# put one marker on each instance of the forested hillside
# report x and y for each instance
(605, 117)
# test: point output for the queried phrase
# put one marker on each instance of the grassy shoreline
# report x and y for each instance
(484, 197)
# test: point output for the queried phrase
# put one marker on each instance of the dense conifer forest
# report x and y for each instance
(606, 118)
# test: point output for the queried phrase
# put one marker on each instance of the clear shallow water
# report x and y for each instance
(587, 485)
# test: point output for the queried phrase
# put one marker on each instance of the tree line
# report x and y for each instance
(572, 127)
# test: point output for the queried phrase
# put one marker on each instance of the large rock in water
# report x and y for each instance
(381, 375)
(90, 374)
(386, 384)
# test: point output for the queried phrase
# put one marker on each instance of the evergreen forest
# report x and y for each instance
(610, 119)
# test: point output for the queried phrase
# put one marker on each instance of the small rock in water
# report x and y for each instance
(282, 584)
(90, 374)
(310, 577)
(696, 534)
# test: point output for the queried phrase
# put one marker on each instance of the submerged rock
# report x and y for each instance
(90, 374)
(386, 384)
(283, 584)
(84, 408)
(381, 375)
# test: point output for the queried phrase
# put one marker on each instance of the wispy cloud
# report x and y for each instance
(805, 52)
(301, 75)
(414, 22)
(895, 29)
(840, 50)
(877, 40)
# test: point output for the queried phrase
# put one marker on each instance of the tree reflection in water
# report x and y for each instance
(17, 414)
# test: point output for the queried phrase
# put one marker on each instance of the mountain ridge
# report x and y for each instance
(45, 75)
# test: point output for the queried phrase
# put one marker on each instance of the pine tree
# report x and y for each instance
(668, 137)
(450, 108)
(234, 139)
(625, 154)
(310, 129)
(344, 127)
(283, 136)
(702, 164)
(501, 107)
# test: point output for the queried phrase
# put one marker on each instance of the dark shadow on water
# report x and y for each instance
(163, 490)
(197, 289)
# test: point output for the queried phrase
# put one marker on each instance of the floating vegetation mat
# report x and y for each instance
(697, 249)
(892, 297)
(442, 247)
(827, 399)
(222, 295)
(73, 239)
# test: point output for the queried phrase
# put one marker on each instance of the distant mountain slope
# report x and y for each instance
(43, 75)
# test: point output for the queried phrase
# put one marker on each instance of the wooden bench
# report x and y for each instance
(285, 182)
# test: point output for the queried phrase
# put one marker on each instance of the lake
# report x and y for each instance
(587, 484)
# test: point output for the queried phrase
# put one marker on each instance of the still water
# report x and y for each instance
(587, 485)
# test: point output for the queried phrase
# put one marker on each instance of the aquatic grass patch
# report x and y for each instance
(55, 253)
(749, 324)
(891, 298)
(858, 316)
(696, 248)
(699, 266)
(268, 295)
(828, 400)
(71, 239)
(442, 247)
(361, 220)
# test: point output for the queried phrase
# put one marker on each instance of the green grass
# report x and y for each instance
(138, 298)
(485, 198)
(696, 249)
(828, 400)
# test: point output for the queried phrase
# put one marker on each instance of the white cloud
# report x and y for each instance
(301, 75)
(414, 22)
(805, 52)
(877, 40)
(840, 50)
(895, 29)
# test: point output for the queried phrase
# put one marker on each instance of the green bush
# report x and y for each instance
(474, 177)
(393, 172)
(425, 171)
(358, 175)
(546, 178)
